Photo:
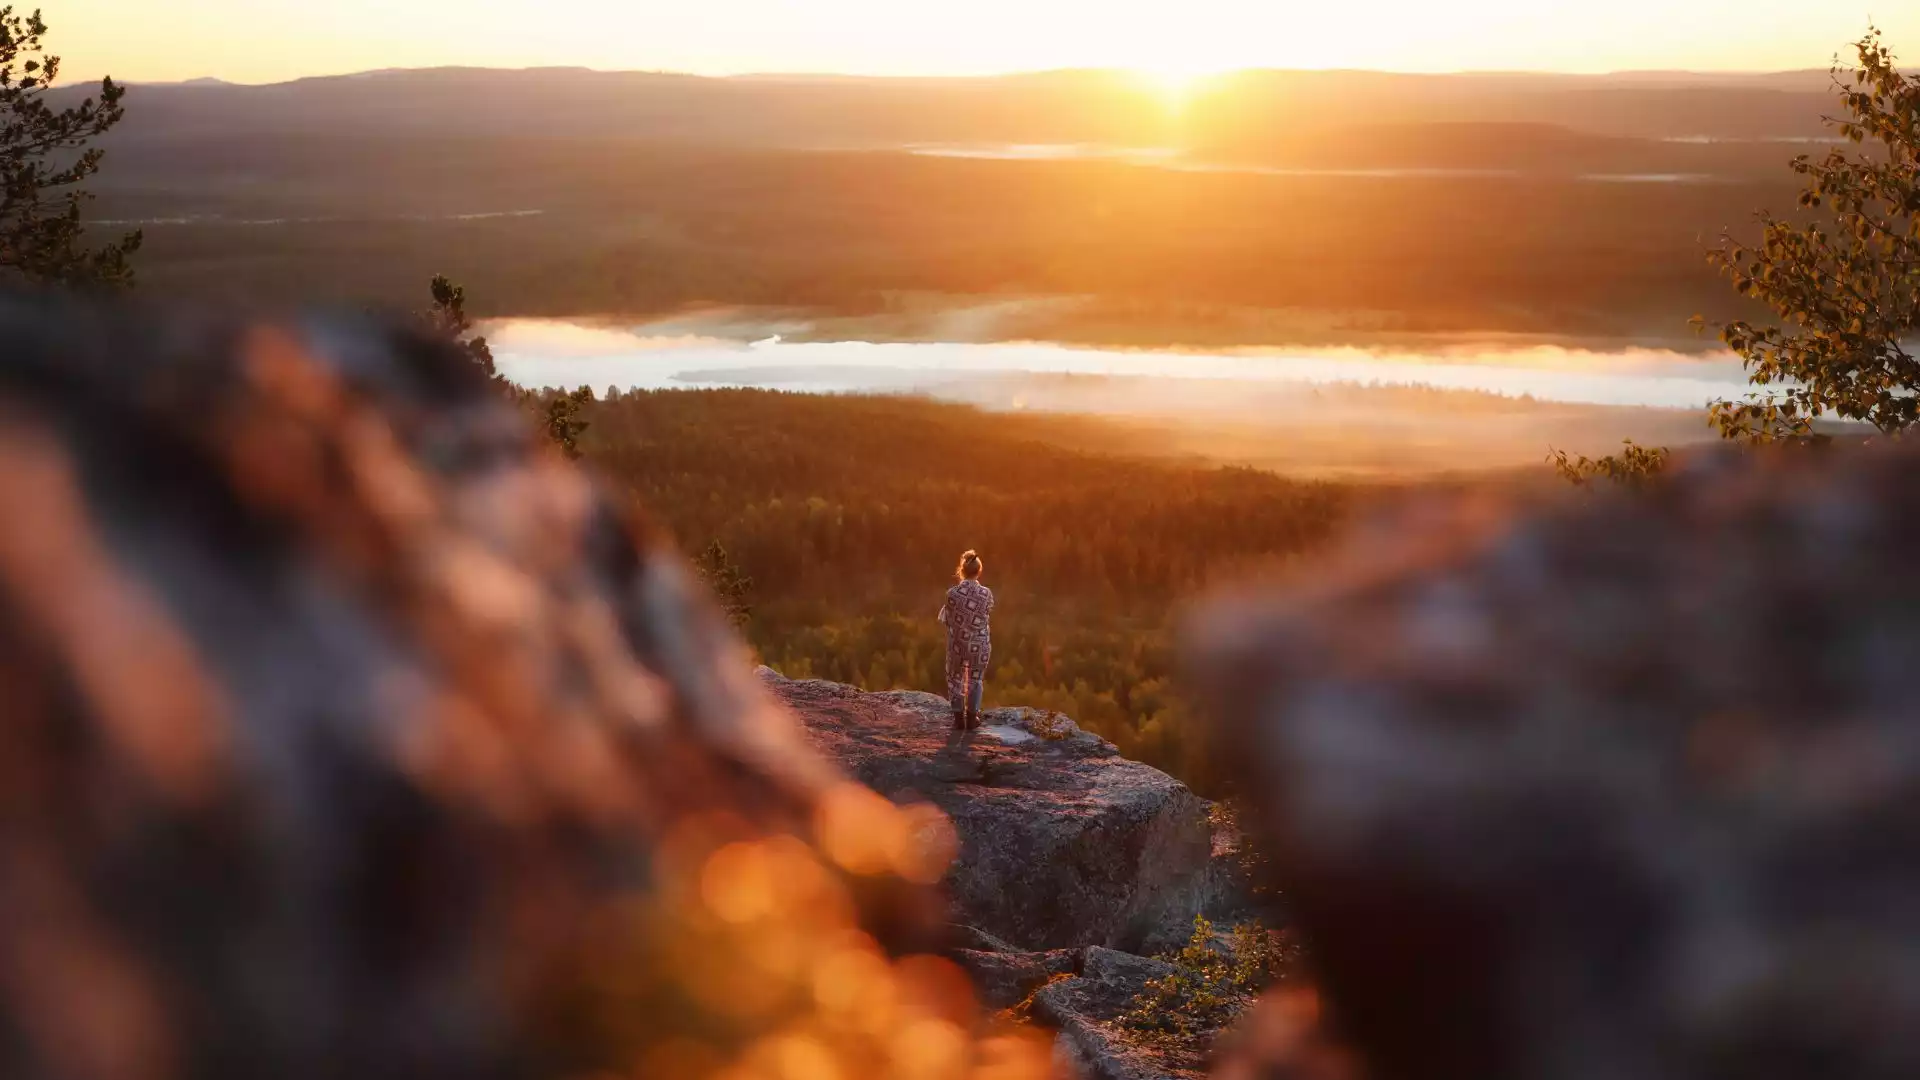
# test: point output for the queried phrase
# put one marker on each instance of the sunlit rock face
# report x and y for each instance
(1613, 786)
(349, 732)
(1062, 842)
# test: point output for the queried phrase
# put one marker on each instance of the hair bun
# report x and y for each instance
(970, 566)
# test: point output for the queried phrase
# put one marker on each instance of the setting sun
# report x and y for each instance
(1176, 83)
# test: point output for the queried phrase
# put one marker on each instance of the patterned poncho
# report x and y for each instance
(969, 604)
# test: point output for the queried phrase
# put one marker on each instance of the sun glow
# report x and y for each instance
(1176, 84)
(1174, 81)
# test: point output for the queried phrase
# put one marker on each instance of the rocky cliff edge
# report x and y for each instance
(1071, 857)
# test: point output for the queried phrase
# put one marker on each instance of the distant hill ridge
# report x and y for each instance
(1069, 106)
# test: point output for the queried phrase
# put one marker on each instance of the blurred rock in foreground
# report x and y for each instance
(1613, 788)
(350, 733)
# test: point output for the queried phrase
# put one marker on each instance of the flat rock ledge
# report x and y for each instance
(1063, 842)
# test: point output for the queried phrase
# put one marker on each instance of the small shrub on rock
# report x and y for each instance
(1051, 726)
(1230, 834)
(1215, 980)
(1634, 466)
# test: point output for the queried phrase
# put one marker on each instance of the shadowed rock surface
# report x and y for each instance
(348, 732)
(1005, 978)
(1081, 994)
(1086, 1008)
(1063, 842)
(1611, 787)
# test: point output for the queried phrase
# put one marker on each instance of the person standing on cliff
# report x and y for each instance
(969, 641)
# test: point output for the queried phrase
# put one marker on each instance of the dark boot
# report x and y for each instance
(973, 718)
(959, 718)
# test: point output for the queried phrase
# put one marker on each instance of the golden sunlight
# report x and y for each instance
(1176, 83)
(1178, 80)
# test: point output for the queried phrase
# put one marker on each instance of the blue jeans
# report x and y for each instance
(967, 673)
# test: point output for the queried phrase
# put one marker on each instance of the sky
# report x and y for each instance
(273, 40)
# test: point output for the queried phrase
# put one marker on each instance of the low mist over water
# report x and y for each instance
(543, 352)
(1322, 411)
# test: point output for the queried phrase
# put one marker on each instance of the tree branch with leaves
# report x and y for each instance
(1633, 466)
(1844, 276)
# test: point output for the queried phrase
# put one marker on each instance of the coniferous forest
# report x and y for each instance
(847, 514)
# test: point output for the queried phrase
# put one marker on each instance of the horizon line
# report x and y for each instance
(774, 76)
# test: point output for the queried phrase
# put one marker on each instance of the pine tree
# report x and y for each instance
(44, 157)
(731, 586)
(448, 318)
(565, 420)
